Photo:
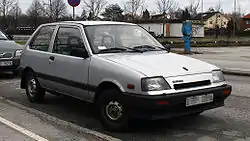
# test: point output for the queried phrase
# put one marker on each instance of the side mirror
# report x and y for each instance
(152, 33)
(79, 52)
(10, 37)
(168, 47)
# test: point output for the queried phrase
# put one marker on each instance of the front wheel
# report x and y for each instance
(34, 91)
(113, 112)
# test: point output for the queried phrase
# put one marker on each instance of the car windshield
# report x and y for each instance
(2, 36)
(121, 38)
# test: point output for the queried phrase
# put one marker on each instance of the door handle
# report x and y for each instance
(51, 59)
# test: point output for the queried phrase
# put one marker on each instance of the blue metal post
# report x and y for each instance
(187, 35)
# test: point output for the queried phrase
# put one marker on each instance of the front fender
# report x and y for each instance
(122, 89)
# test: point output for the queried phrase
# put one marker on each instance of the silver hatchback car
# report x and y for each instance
(122, 69)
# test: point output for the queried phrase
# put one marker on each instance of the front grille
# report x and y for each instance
(6, 55)
(192, 84)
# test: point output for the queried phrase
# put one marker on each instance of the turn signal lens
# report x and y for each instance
(162, 102)
(226, 92)
(131, 86)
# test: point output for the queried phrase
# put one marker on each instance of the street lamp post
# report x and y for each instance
(202, 10)
(50, 10)
(234, 18)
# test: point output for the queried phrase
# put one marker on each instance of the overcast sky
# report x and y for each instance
(227, 5)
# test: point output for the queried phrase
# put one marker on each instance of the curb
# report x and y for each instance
(236, 72)
(62, 123)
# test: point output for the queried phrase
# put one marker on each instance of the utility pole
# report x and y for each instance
(202, 6)
(234, 17)
(133, 9)
(17, 13)
(202, 11)
(50, 10)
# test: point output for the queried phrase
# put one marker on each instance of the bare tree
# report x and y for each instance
(175, 11)
(15, 13)
(218, 7)
(132, 7)
(193, 7)
(35, 12)
(59, 9)
(5, 8)
(94, 7)
(164, 6)
(83, 15)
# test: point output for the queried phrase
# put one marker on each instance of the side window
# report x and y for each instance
(68, 41)
(42, 39)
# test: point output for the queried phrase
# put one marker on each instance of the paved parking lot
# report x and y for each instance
(229, 123)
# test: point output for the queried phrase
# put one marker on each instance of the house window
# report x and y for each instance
(247, 21)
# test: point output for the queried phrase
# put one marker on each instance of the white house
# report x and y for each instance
(171, 28)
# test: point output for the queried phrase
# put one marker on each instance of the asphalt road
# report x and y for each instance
(229, 123)
(7, 134)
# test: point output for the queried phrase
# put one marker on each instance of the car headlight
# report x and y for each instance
(217, 76)
(18, 53)
(154, 84)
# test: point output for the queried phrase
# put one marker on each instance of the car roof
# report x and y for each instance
(95, 23)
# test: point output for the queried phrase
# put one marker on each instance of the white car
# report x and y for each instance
(121, 68)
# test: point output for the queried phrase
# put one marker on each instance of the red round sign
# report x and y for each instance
(74, 3)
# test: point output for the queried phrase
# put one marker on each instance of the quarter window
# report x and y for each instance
(42, 39)
(68, 40)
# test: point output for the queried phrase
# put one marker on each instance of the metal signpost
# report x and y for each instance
(74, 3)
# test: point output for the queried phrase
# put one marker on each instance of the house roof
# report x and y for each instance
(158, 15)
(205, 16)
(247, 16)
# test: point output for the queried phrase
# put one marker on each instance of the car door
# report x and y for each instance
(37, 53)
(68, 69)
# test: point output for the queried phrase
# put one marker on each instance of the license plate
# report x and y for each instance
(197, 100)
(6, 63)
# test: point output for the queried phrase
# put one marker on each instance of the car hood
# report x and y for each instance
(161, 64)
(8, 46)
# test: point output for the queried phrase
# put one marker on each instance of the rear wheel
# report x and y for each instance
(34, 91)
(113, 112)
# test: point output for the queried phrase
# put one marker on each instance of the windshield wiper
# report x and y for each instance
(119, 49)
(149, 48)
(3, 39)
(111, 50)
(134, 49)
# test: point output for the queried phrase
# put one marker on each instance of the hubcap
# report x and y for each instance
(32, 87)
(114, 110)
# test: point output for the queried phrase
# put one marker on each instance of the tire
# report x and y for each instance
(38, 93)
(108, 99)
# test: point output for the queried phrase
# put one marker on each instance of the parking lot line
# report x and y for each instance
(22, 130)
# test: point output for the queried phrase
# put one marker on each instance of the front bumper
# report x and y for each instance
(147, 107)
(13, 67)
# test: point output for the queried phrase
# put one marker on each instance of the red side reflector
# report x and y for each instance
(131, 86)
(226, 92)
(162, 102)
